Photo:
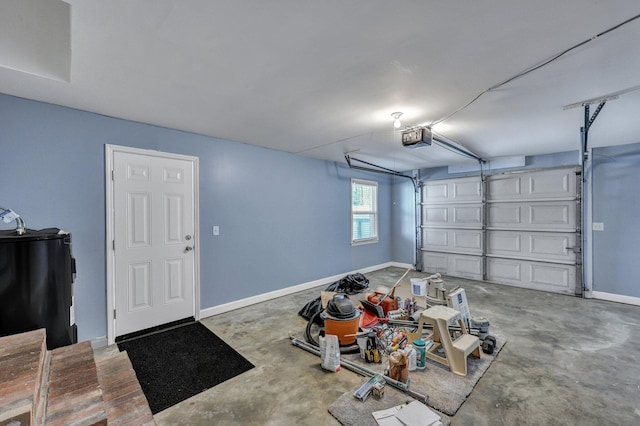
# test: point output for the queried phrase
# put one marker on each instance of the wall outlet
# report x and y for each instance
(216, 230)
(597, 226)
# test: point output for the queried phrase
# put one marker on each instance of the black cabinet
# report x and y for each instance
(36, 279)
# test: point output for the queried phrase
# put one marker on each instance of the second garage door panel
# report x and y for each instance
(541, 216)
(551, 277)
(547, 247)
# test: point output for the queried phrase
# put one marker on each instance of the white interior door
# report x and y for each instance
(153, 240)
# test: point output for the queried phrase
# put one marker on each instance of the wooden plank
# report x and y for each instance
(75, 396)
(74, 389)
(21, 359)
(124, 400)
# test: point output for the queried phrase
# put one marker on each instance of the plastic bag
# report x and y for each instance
(398, 366)
(330, 353)
(310, 309)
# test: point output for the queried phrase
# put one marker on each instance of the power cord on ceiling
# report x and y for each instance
(535, 67)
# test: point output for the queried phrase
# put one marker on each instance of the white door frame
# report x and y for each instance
(110, 228)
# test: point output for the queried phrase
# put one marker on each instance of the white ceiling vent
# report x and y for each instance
(35, 37)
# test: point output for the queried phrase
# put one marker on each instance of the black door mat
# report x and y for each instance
(181, 362)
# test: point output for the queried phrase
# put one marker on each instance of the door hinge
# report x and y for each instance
(113, 175)
(113, 244)
(114, 314)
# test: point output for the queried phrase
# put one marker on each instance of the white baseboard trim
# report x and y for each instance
(611, 297)
(226, 307)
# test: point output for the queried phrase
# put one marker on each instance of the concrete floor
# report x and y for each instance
(567, 361)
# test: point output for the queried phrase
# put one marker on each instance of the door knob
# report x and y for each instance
(188, 248)
(187, 237)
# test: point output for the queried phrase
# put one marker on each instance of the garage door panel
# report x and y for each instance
(553, 247)
(436, 262)
(461, 190)
(550, 215)
(504, 270)
(543, 184)
(436, 191)
(455, 265)
(468, 266)
(467, 215)
(453, 216)
(507, 215)
(453, 240)
(471, 240)
(467, 190)
(436, 239)
(505, 187)
(437, 215)
(547, 215)
(542, 246)
(545, 274)
(549, 184)
(504, 243)
(555, 278)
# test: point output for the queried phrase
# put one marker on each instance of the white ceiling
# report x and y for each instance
(320, 78)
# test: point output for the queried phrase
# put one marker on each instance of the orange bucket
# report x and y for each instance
(344, 329)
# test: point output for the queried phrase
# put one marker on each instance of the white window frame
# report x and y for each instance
(373, 239)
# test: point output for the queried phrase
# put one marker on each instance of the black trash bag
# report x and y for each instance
(350, 284)
(310, 309)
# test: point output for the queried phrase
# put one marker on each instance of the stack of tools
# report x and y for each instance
(399, 341)
(372, 353)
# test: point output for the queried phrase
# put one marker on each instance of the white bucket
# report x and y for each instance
(418, 286)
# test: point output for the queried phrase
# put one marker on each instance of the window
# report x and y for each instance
(364, 212)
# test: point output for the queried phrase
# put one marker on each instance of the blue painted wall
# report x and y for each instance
(403, 225)
(284, 219)
(616, 200)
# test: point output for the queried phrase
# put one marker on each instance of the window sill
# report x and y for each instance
(363, 242)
